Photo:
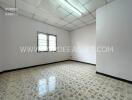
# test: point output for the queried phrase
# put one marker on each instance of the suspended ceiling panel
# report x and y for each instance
(58, 12)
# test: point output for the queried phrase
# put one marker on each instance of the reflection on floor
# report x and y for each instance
(62, 81)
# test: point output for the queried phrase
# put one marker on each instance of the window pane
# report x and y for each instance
(42, 42)
(42, 36)
(52, 43)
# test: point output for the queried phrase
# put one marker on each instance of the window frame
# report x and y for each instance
(47, 34)
(48, 42)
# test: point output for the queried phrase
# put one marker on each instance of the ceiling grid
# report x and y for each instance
(66, 14)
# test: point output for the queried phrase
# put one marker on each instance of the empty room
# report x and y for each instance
(65, 50)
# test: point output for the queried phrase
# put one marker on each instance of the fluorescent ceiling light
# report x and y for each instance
(70, 6)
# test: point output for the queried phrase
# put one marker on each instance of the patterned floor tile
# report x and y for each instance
(62, 81)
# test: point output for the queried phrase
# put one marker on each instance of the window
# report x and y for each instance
(42, 42)
(52, 43)
(47, 42)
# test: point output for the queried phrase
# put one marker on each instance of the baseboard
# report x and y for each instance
(43, 65)
(120, 79)
(83, 62)
(32, 66)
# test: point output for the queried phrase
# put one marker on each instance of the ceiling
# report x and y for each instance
(56, 13)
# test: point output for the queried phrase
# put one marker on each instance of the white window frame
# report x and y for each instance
(47, 41)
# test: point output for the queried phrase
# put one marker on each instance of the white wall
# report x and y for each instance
(21, 31)
(84, 43)
(114, 27)
(1, 46)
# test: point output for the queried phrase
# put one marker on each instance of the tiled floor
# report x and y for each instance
(62, 81)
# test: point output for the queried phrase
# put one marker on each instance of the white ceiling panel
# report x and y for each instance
(47, 5)
(53, 20)
(62, 22)
(58, 25)
(78, 23)
(78, 5)
(55, 4)
(65, 6)
(77, 14)
(94, 4)
(40, 18)
(70, 18)
(69, 25)
(62, 12)
(86, 18)
(25, 7)
(83, 2)
(43, 12)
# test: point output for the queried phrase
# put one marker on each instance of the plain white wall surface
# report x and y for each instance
(83, 42)
(1, 45)
(21, 31)
(114, 27)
